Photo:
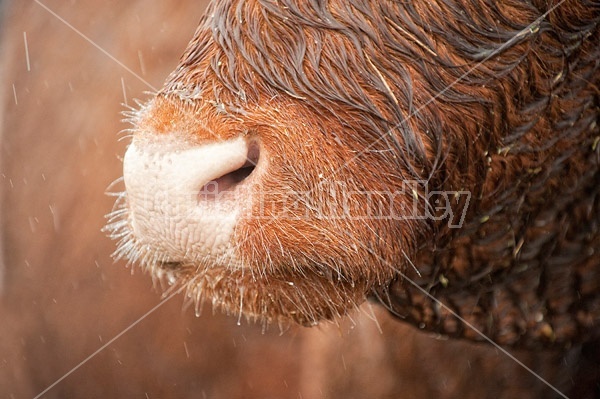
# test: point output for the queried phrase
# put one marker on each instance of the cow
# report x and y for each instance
(304, 156)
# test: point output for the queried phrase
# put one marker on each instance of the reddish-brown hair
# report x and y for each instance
(496, 99)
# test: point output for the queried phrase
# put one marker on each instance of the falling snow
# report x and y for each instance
(26, 51)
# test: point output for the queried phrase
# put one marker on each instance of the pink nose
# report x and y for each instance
(186, 199)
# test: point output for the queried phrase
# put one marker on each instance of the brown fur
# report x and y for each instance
(499, 100)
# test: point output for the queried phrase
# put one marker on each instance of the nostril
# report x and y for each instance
(214, 188)
(227, 182)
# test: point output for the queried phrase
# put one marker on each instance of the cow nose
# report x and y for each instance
(186, 200)
(202, 172)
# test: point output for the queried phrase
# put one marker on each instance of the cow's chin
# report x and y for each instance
(239, 285)
(279, 298)
(275, 295)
